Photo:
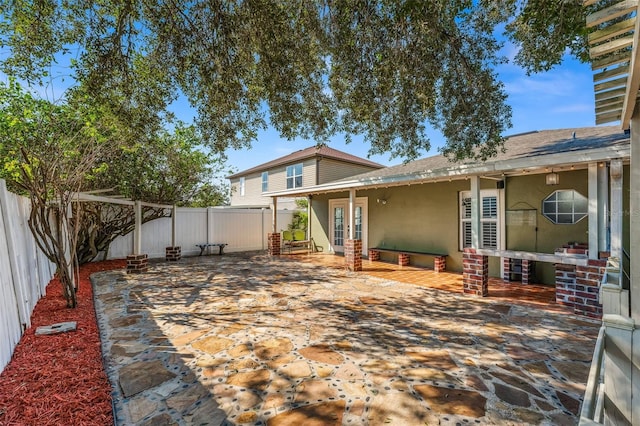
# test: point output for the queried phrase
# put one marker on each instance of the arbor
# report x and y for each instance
(383, 69)
(166, 167)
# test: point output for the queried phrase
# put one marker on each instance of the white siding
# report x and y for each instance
(330, 170)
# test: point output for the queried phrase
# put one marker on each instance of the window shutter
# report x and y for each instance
(489, 235)
(466, 234)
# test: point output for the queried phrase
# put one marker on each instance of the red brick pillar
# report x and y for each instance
(588, 279)
(173, 253)
(565, 284)
(137, 263)
(374, 255)
(440, 264)
(274, 243)
(403, 259)
(506, 269)
(578, 287)
(475, 273)
(527, 271)
(353, 254)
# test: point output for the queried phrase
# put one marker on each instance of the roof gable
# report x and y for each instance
(303, 154)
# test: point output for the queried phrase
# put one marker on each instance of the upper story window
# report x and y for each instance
(565, 206)
(294, 176)
(242, 187)
(489, 219)
(265, 181)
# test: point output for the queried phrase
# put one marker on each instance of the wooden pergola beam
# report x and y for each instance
(633, 80)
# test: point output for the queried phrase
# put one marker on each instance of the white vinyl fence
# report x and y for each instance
(24, 271)
(242, 229)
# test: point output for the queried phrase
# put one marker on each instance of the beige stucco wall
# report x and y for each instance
(418, 217)
(527, 192)
(426, 218)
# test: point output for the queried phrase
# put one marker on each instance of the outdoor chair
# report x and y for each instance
(300, 239)
(287, 240)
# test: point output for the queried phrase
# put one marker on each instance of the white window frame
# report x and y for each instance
(553, 216)
(498, 219)
(242, 186)
(265, 181)
(293, 176)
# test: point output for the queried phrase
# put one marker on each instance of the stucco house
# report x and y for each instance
(299, 170)
(547, 209)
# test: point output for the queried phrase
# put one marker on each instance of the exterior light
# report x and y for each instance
(552, 179)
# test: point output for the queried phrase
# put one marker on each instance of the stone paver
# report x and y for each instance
(245, 339)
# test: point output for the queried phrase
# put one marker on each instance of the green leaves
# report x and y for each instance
(311, 68)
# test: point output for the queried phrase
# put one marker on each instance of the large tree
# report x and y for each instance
(46, 153)
(384, 69)
(51, 151)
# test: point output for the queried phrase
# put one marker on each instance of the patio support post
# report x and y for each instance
(593, 210)
(137, 232)
(475, 267)
(352, 247)
(173, 252)
(603, 210)
(634, 221)
(475, 212)
(615, 170)
(137, 262)
(273, 238)
(309, 209)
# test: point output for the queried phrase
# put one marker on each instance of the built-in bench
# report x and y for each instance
(203, 247)
(439, 259)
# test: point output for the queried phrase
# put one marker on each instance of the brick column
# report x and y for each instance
(403, 259)
(374, 255)
(440, 264)
(578, 286)
(353, 254)
(527, 270)
(506, 269)
(588, 279)
(274, 243)
(565, 284)
(137, 263)
(173, 253)
(475, 273)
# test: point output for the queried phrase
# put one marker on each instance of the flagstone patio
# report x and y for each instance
(250, 339)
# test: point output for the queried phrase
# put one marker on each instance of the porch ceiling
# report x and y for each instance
(613, 48)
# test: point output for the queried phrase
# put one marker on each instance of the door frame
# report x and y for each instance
(362, 202)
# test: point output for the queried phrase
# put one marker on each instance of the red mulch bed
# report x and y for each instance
(59, 379)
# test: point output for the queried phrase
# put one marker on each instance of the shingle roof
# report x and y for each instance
(532, 150)
(521, 146)
(303, 154)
